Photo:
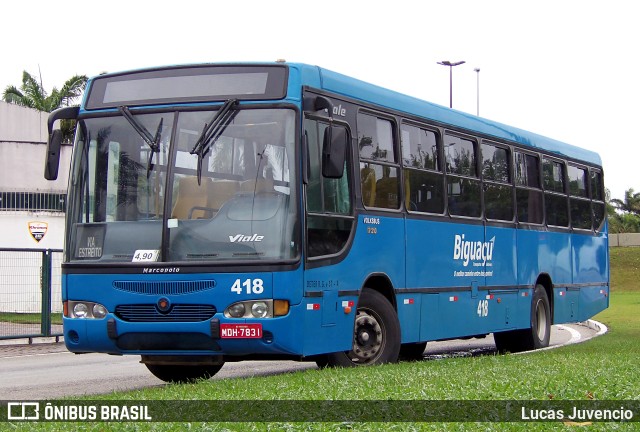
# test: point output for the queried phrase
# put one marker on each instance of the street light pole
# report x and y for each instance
(451, 65)
(477, 92)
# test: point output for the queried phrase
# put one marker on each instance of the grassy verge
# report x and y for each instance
(28, 318)
(605, 368)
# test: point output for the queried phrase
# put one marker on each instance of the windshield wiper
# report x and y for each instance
(212, 131)
(152, 141)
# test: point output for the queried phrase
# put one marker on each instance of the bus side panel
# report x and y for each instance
(554, 256)
(430, 328)
(590, 274)
(439, 259)
(375, 251)
(501, 296)
(410, 312)
(528, 271)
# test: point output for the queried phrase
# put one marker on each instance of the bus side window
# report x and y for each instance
(328, 200)
(528, 188)
(378, 163)
(463, 182)
(555, 195)
(498, 192)
(597, 195)
(422, 170)
(579, 198)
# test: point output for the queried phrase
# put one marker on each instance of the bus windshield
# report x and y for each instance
(132, 200)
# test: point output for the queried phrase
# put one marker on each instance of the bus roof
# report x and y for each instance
(324, 79)
(353, 88)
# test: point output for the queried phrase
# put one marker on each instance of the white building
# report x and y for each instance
(31, 208)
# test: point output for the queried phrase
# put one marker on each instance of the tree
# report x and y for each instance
(32, 94)
(630, 204)
(624, 215)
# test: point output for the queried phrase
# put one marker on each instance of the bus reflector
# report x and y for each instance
(453, 298)
(408, 301)
(561, 293)
(313, 306)
(490, 297)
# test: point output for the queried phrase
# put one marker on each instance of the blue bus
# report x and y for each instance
(225, 212)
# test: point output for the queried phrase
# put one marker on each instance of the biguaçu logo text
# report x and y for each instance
(478, 252)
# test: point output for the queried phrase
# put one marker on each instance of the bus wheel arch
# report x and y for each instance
(381, 283)
(537, 335)
(376, 333)
(545, 280)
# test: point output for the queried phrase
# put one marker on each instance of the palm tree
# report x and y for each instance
(32, 94)
(630, 204)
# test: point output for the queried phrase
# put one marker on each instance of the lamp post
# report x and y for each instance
(477, 70)
(451, 65)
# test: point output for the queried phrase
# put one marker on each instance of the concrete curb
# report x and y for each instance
(592, 324)
(595, 325)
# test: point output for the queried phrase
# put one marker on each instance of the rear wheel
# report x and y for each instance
(537, 336)
(183, 373)
(376, 333)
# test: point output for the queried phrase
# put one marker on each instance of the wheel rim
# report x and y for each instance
(368, 338)
(541, 319)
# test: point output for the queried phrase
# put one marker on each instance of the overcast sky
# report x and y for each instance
(565, 69)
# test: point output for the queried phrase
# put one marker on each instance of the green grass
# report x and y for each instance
(604, 368)
(625, 268)
(28, 318)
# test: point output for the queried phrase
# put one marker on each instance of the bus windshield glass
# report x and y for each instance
(132, 201)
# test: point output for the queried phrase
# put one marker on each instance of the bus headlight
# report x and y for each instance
(99, 311)
(84, 310)
(257, 309)
(80, 310)
(236, 310)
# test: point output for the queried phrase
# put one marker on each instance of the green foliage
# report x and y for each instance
(630, 204)
(624, 215)
(32, 94)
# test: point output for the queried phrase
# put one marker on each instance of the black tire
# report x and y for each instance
(376, 334)
(322, 361)
(183, 373)
(535, 337)
(412, 351)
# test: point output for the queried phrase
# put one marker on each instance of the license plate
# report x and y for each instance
(240, 331)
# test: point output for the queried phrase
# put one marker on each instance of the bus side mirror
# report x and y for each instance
(53, 155)
(334, 151)
(52, 160)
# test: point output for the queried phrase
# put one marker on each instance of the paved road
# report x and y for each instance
(49, 371)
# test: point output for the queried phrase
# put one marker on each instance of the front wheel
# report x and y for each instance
(376, 334)
(183, 373)
(537, 336)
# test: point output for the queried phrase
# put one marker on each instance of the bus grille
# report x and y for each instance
(177, 313)
(165, 287)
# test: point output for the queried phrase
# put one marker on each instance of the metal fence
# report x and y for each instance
(30, 293)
